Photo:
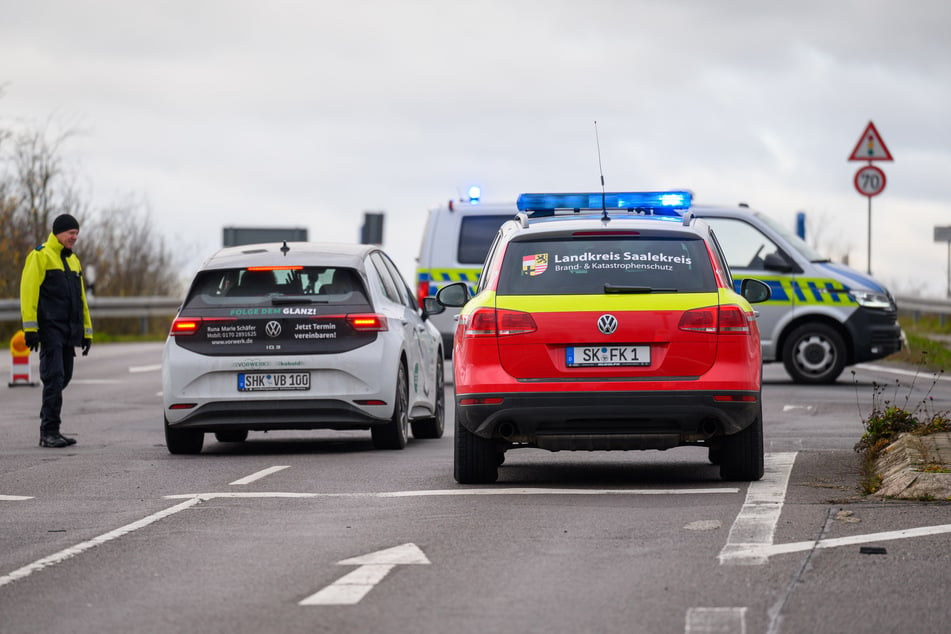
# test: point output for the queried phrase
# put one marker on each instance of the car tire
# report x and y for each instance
(231, 435)
(183, 441)
(814, 354)
(434, 426)
(741, 454)
(394, 434)
(476, 459)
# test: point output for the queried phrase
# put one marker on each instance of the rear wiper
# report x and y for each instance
(611, 288)
(287, 301)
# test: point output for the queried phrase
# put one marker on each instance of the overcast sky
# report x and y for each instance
(277, 113)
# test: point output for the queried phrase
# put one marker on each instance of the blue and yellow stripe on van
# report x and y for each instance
(437, 278)
(804, 290)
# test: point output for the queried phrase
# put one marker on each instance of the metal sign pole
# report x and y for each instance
(868, 268)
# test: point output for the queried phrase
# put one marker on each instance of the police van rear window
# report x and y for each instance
(475, 237)
(596, 266)
(276, 285)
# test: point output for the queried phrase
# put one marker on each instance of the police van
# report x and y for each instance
(821, 316)
(455, 241)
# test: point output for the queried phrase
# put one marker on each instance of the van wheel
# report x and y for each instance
(434, 426)
(814, 353)
(183, 441)
(393, 434)
(476, 459)
(741, 455)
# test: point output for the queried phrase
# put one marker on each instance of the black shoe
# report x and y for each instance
(53, 440)
(69, 441)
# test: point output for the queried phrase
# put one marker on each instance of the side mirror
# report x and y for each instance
(432, 307)
(754, 290)
(453, 295)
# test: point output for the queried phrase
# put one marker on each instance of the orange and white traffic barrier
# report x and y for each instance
(20, 371)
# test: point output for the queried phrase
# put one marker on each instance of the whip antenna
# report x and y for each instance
(604, 209)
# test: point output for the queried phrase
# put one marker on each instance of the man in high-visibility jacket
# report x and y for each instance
(55, 319)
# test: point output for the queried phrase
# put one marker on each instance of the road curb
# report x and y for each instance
(909, 468)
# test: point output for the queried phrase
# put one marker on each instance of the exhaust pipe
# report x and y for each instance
(508, 431)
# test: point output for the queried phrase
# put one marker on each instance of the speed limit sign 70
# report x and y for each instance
(870, 181)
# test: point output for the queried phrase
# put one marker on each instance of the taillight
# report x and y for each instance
(368, 322)
(489, 322)
(422, 292)
(185, 326)
(724, 320)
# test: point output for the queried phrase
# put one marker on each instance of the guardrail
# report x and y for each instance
(138, 307)
(167, 306)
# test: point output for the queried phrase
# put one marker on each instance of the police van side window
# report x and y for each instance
(745, 246)
(475, 236)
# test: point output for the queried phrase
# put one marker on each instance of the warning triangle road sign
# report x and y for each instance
(871, 147)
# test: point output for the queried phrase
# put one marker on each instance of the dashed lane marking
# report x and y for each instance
(134, 369)
(260, 474)
(715, 621)
(15, 498)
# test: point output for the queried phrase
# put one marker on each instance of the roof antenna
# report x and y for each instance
(604, 208)
(285, 249)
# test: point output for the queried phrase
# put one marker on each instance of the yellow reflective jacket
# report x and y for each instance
(53, 296)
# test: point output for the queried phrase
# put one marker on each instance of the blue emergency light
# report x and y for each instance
(475, 194)
(663, 203)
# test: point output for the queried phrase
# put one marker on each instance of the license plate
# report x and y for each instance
(602, 356)
(259, 381)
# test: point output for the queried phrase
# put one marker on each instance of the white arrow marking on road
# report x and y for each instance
(353, 586)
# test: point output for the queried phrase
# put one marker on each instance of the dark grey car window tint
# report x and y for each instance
(584, 266)
(475, 236)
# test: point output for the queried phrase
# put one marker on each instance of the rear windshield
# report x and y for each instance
(593, 266)
(307, 284)
(475, 237)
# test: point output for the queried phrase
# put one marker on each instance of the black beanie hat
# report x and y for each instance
(64, 222)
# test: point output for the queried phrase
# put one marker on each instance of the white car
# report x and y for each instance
(300, 335)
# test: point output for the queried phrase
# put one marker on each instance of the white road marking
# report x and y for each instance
(15, 498)
(353, 586)
(145, 368)
(835, 542)
(793, 408)
(72, 551)
(450, 492)
(260, 474)
(716, 621)
(924, 375)
(755, 524)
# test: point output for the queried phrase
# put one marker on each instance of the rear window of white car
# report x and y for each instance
(594, 266)
(258, 285)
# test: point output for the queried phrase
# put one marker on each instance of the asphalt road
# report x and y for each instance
(319, 532)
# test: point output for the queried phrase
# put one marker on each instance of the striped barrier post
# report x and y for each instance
(20, 370)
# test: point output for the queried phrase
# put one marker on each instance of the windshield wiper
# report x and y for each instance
(611, 288)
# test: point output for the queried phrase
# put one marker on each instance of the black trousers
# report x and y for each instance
(56, 370)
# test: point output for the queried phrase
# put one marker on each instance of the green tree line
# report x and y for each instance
(118, 246)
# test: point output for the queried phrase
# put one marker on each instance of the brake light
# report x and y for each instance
(724, 320)
(367, 322)
(422, 292)
(185, 326)
(489, 322)
(191, 325)
(296, 267)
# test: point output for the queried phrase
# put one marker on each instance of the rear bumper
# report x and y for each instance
(272, 415)
(608, 420)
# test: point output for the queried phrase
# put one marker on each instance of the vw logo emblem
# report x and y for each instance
(272, 329)
(607, 324)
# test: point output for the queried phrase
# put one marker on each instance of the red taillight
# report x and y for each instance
(724, 320)
(422, 292)
(367, 322)
(488, 322)
(734, 398)
(492, 400)
(185, 326)
(191, 325)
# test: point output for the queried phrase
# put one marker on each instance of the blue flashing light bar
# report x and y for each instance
(666, 203)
